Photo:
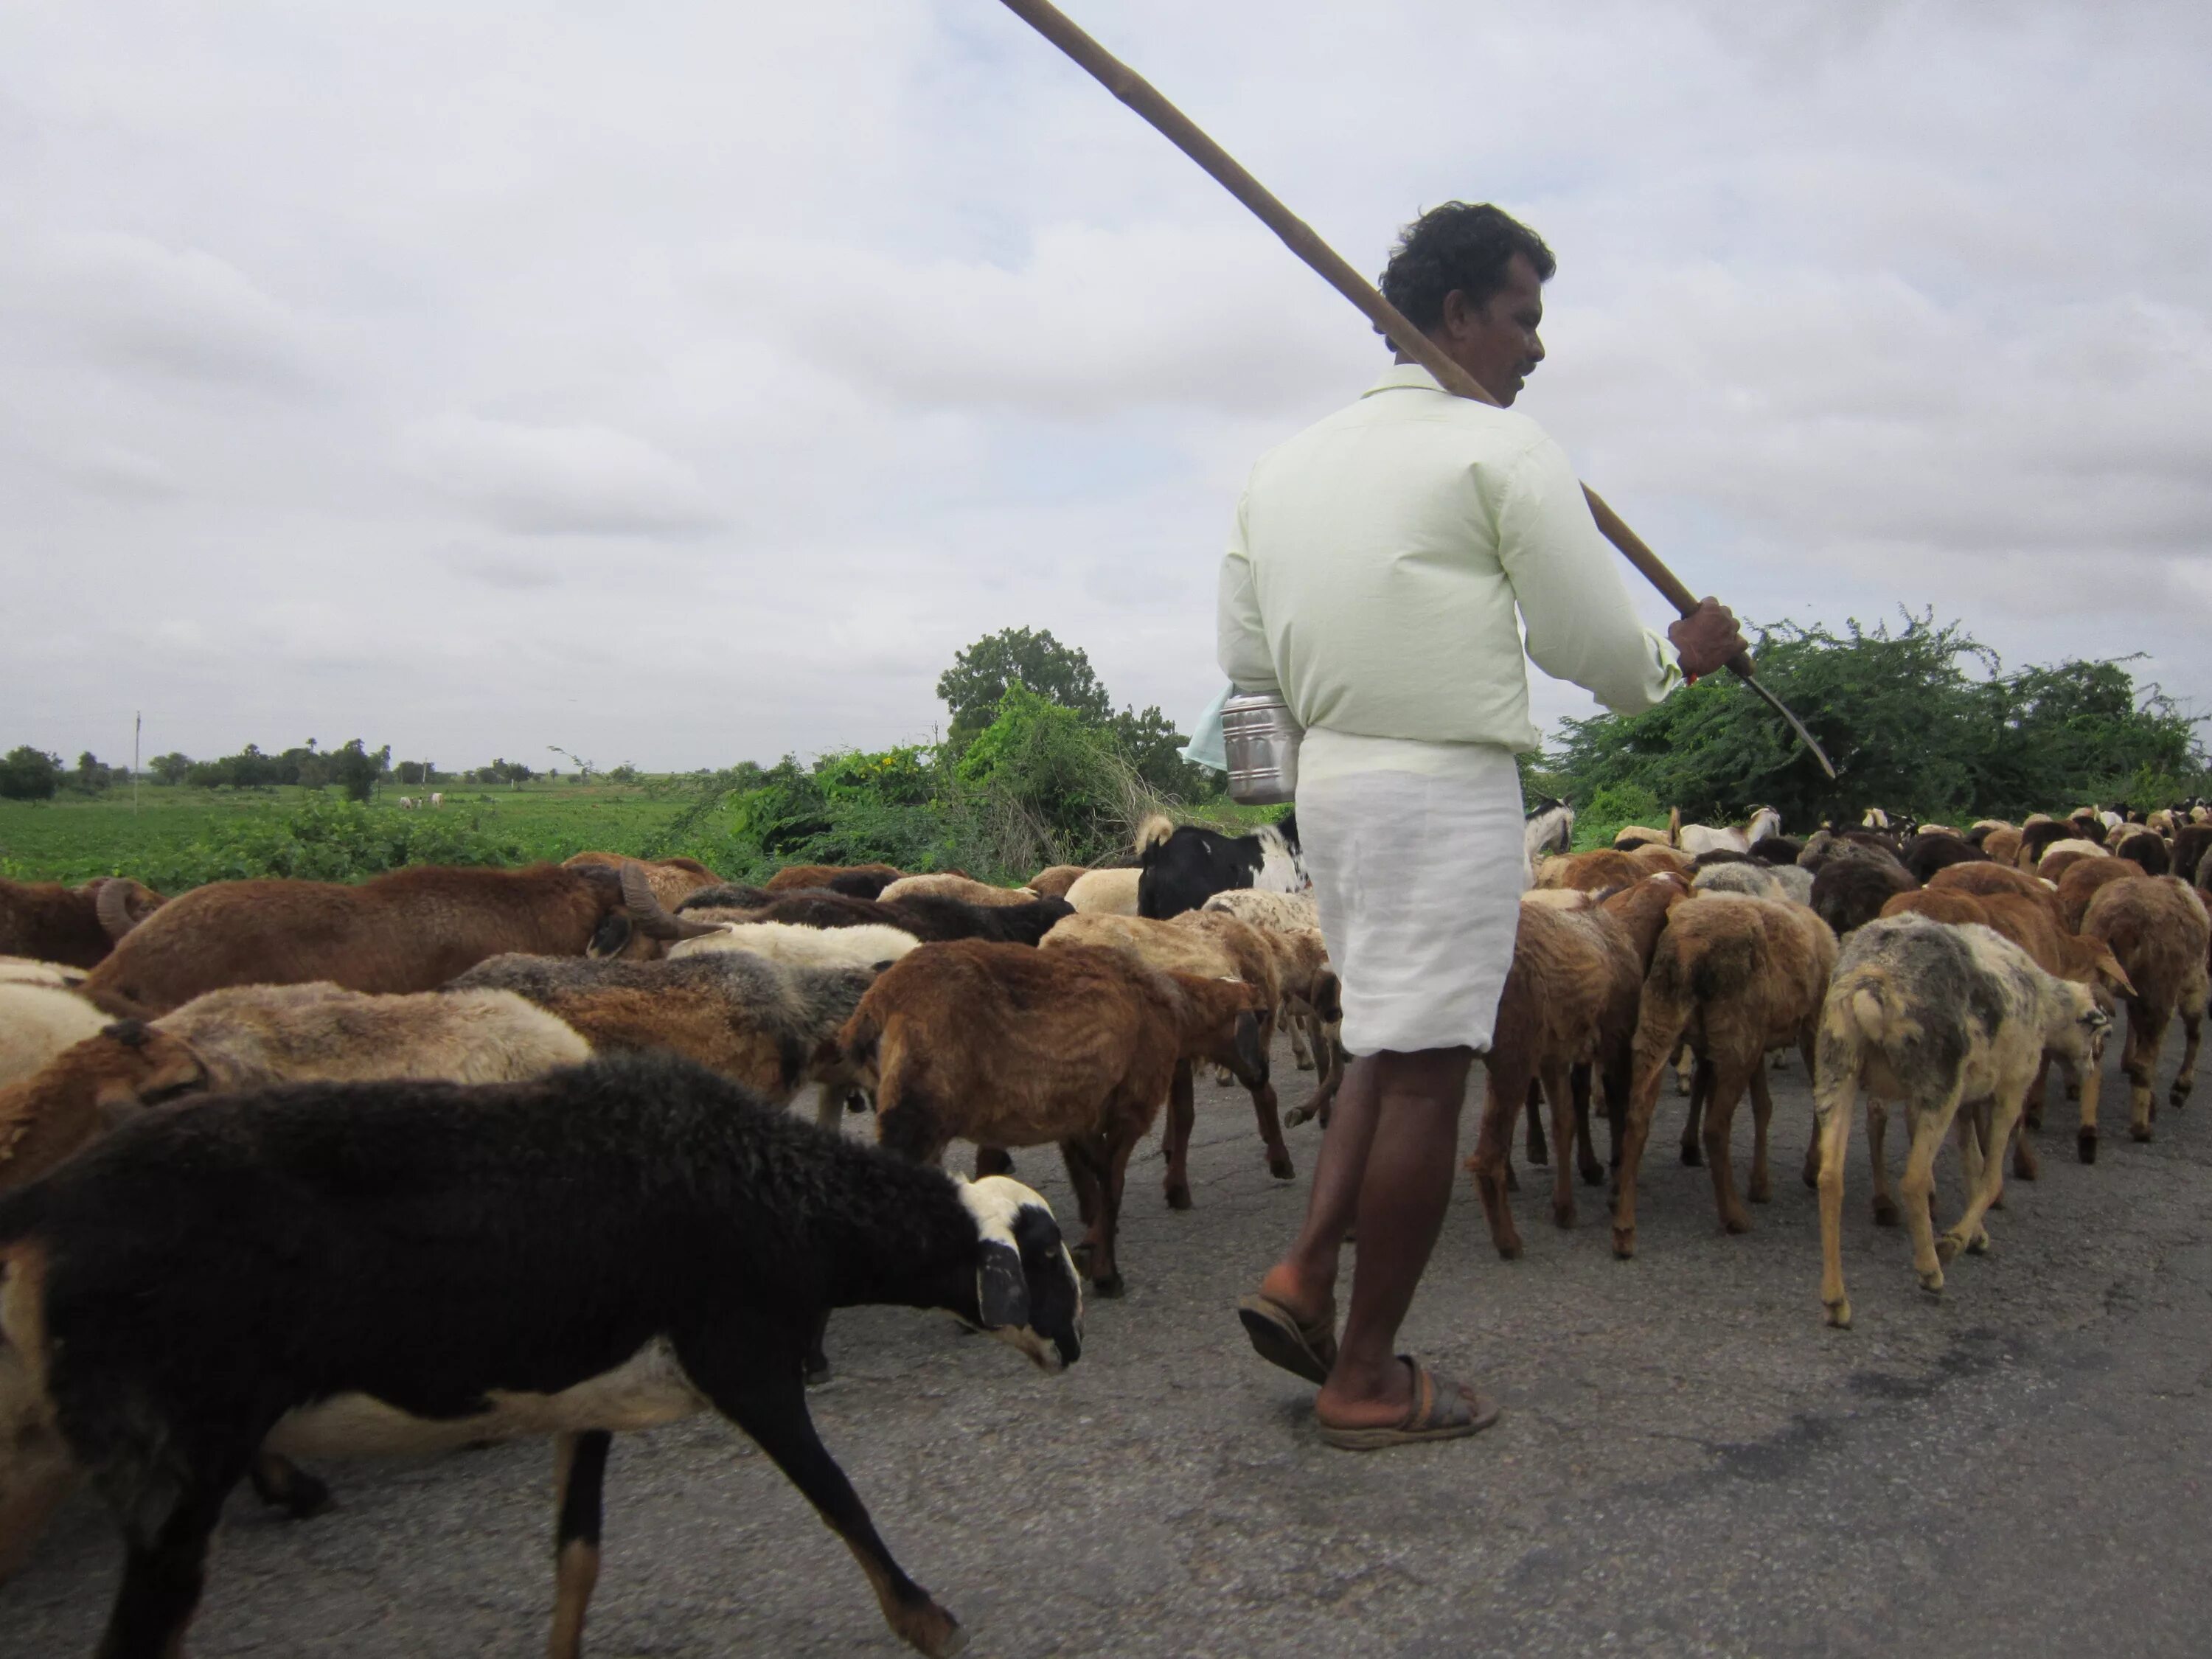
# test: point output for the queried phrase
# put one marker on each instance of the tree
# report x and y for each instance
(171, 767)
(90, 776)
(416, 772)
(356, 769)
(1155, 748)
(979, 676)
(30, 773)
(625, 773)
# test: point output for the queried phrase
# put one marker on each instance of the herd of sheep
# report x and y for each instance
(297, 1170)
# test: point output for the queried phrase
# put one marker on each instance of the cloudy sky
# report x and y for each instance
(682, 383)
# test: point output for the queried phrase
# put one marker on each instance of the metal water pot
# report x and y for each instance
(1261, 741)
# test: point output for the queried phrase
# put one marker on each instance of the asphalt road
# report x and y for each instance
(1690, 1462)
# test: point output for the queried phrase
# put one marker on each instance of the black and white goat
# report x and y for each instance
(372, 1267)
(1180, 867)
(1548, 829)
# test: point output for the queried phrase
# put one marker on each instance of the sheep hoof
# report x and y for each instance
(1280, 1167)
(1735, 1224)
(1979, 1244)
(2085, 1146)
(1302, 1064)
(1948, 1247)
(929, 1629)
(1178, 1198)
(817, 1371)
(1693, 1155)
(1593, 1174)
(1512, 1179)
(2032, 1117)
(1623, 1242)
(1932, 1282)
(1563, 1215)
(1762, 1192)
(1297, 1116)
(1080, 1253)
(1110, 1286)
(1840, 1314)
(1885, 1212)
(2179, 1096)
(2138, 1132)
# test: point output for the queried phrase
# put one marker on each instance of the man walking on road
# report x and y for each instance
(1378, 562)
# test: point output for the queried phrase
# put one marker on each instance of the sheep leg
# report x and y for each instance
(281, 1484)
(579, 1467)
(1701, 1094)
(1884, 1206)
(1182, 1113)
(1643, 1106)
(1683, 1060)
(164, 1569)
(2089, 1090)
(1113, 1169)
(767, 1400)
(2033, 1115)
(1728, 1086)
(2139, 1060)
(1558, 1089)
(1264, 1111)
(1917, 1187)
(1540, 1153)
(1592, 1171)
(1832, 1135)
(1988, 1184)
(1620, 1077)
(1302, 1048)
(992, 1160)
(1762, 1114)
(2192, 1028)
(1507, 1087)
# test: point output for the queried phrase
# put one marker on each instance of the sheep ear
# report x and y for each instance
(1002, 1293)
(612, 935)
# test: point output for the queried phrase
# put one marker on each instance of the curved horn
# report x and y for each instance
(651, 916)
(112, 904)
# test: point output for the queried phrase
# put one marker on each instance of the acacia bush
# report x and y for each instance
(1922, 718)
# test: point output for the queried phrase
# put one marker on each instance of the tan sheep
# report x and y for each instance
(950, 886)
(36, 1022)
(2157, 927)
(1738, 977)
(1105, 893)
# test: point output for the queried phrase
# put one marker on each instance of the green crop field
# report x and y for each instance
(73, 837)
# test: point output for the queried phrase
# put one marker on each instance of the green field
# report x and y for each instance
(175, 829)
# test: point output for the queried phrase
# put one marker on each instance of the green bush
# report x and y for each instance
(329, 839)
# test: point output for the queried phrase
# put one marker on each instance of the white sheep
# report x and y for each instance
(36, 1022)
(863, 946)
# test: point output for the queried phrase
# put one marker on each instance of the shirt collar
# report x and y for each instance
(1402, 377)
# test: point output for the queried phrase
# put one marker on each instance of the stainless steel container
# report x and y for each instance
(1261, 741)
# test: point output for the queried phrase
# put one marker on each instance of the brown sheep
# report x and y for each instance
(1009, 1047)
(1739, 976)
(2157, 927)
(2132, 841)
(77, 927)
(1055, 879)
(1849, 892)
(1562, 1007)
(2063, 856)
(411, 930)
(1205, 945)
(2037, 838)
(854, 880)
(1659, 859)
(1590, 872)
(2003, 844)
(950, 886)
(2080, 882)
(1979, 879)
(251, 1037)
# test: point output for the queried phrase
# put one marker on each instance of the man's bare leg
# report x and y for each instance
(1393, 1172)
(1305, 1278)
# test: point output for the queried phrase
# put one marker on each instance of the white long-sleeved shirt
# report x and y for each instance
(1378, 560)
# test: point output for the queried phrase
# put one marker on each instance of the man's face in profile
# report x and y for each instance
(1496, 343)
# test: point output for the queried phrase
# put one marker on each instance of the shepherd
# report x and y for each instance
(1372, 580)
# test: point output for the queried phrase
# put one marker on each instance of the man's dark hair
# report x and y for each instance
(1461, 244)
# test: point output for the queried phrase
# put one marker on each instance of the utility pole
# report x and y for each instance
(138, 730)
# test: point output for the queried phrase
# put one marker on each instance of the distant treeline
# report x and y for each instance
(29, 774)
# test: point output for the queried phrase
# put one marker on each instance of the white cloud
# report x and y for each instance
(542, 480)
(404, 363)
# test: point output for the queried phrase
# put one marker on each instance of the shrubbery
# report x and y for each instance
(328, 838)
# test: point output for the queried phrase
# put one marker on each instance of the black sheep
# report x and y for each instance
(1926, 853)
(1849, 892)
(1185, 866)
(324, 1265)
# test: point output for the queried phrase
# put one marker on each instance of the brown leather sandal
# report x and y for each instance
(1278, 1337)
(1442, 1409)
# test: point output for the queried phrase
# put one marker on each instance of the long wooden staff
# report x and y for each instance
(1140, 95)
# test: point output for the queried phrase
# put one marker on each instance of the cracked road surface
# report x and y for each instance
(1690, 1463)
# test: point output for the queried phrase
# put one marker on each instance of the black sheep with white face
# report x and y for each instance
(338, 1268)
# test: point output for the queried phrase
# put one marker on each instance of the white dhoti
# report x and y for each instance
(1415, 853)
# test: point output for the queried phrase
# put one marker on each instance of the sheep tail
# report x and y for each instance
(1153, 832)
